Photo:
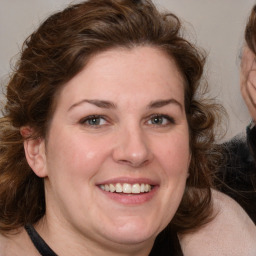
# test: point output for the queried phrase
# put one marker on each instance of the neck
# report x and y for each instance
(76, 243)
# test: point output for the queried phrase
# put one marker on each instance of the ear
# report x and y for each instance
(35, 152)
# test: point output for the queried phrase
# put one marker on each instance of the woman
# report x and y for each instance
(247, 81)
(104, 146)
(239, 171)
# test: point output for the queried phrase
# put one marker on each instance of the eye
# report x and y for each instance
(159, 120)
(93, 120)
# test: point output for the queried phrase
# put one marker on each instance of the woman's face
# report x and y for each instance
(248, 80)
(117, 151)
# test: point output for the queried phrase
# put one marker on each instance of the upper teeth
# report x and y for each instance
(126, 188)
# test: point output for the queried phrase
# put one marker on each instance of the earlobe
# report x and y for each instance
(35, 153)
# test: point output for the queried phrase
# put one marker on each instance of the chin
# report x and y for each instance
(133, 234)
(134, 239)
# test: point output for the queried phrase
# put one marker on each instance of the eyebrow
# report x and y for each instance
(162, 103)
(110, 105)
(98, 103)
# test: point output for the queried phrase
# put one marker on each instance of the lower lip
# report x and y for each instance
(131, 199)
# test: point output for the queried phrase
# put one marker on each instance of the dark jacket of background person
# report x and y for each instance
(237, 175)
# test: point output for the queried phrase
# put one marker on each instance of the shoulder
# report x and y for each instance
(6, 247)
(230, 233)
(17, 244)
(3, 244)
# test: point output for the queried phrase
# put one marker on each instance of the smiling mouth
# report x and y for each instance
(126, 188)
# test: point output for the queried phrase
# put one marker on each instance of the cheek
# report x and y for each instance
(174, 157)
(247, 62)
(252, 76)
(74, 155)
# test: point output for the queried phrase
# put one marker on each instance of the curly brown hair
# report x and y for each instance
(55, 53)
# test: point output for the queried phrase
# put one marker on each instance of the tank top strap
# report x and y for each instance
(42, 247)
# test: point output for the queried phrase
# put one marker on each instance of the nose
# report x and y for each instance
(132, 148)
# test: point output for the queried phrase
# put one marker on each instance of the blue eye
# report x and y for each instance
(93, 120)
(161, 120)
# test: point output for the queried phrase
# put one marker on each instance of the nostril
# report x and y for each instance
(134, 163)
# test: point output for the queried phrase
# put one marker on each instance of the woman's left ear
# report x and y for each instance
(35, 152)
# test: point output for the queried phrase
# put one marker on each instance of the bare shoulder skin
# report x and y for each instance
(17, 245)
(231, 233)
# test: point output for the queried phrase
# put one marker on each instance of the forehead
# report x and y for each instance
(143, 72)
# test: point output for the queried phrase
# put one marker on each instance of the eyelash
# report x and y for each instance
(167, 117)
(90, 118)
(84, 121)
